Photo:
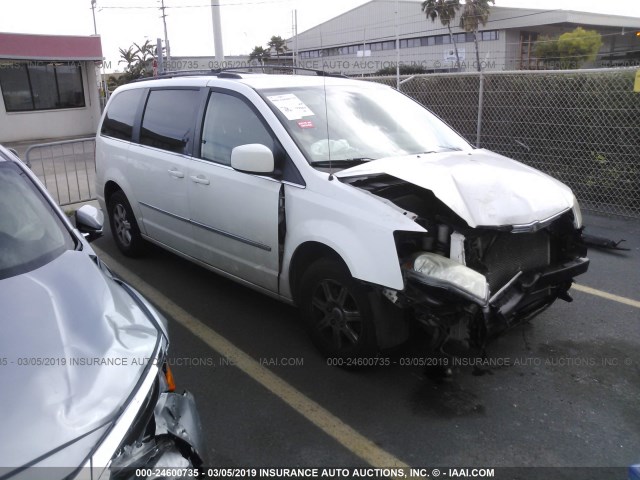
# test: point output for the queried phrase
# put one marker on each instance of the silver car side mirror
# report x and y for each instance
(89, 222)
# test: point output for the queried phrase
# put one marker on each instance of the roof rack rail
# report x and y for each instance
(188, 73)
(233, 72)
(292, 68)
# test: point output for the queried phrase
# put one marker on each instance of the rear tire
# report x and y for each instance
(124, 227)
(337, 311)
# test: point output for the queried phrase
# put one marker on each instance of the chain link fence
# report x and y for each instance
(581, 127)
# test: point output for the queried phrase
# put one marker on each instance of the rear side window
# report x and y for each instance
(169, 120)
(118, 122)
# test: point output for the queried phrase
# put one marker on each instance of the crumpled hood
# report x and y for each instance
(60, 323)
(482, 187)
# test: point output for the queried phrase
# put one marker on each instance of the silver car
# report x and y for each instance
(83, 357)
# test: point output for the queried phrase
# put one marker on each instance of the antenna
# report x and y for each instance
(326, 110)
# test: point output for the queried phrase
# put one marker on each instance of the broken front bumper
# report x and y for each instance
(522, 297)
(177, 416)
(177, 444)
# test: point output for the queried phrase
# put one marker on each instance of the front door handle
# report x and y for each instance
(200, 179)
(175, 173)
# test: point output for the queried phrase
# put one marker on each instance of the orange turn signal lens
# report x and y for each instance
(171, 383)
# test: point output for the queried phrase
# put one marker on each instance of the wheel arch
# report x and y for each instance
(390, 323)
(306, 254)
(110, 188)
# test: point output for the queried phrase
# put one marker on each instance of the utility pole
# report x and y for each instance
(166, 37)
(103, 82)
(159, 55)
(93, 11)
(217, 31)
(294, 32)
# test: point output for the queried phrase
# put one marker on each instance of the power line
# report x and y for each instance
(238, 4)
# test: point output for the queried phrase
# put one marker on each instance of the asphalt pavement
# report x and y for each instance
(562, 391)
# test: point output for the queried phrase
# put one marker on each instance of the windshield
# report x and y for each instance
(31, 234)
(356, 123)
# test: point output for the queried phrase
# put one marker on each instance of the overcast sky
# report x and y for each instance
(245, 23)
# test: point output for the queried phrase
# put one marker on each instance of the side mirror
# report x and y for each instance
(89, 222)
(252, 158)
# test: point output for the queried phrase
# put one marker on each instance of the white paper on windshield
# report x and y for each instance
(292, 107)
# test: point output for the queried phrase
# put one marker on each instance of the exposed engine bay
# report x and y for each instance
(466, 285)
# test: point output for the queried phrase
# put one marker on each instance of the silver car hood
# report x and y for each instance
(61, 324)
(482, 187)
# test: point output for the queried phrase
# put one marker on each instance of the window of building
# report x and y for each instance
(229, 122)
(488, 35)
(41, 86)
(411, 42)
(460, 37)
(169, 120)
(121, 114)
(390, 45)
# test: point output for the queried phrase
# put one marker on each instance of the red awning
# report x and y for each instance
(19, 46)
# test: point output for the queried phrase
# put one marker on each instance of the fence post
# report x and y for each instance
(480, 102)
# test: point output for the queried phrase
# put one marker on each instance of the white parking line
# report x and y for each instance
(608, 296)
(353, 441)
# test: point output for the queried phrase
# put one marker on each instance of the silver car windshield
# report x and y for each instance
(344, 124)
(31, 233)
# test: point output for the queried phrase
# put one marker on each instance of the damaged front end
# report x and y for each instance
(466, 285)
(166, 435)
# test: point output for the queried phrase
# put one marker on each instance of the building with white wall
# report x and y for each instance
(363, 40)
(48, 86)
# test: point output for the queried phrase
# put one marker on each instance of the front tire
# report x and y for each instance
(337, 311)
(124, 227)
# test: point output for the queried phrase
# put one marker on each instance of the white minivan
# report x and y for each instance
(344, 197)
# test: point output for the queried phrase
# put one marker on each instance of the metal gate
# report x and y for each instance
(66, 168)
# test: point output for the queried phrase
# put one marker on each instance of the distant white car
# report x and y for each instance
(344, 197)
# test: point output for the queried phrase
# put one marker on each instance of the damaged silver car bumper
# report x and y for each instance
(177, 442)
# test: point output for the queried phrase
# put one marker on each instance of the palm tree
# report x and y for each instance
(474, 13)
(278, 44)
(446, 11)
(128, 56)
(144, 52)
(260, 54)
(136, 58)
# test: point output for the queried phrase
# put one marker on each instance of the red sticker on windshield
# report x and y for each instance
(305, 124)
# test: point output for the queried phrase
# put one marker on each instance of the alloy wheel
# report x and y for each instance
(340, 319)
